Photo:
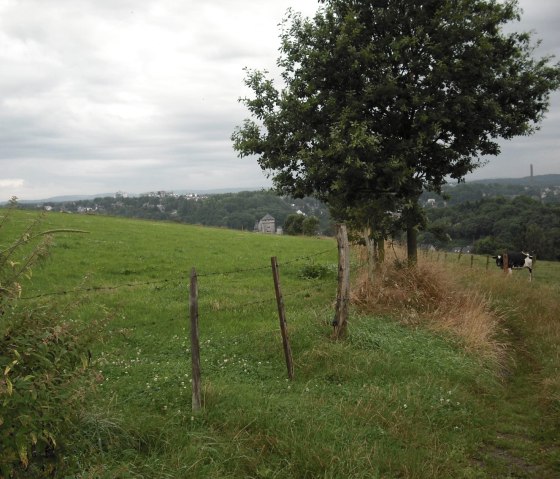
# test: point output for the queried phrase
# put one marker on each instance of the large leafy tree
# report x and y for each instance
(382, 99)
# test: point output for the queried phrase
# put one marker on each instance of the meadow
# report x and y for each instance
(406, 395)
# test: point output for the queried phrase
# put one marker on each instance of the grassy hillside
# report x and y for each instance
(398, 398)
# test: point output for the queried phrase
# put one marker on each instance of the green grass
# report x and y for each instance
(391, 401)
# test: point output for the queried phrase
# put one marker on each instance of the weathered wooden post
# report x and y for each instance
(282, 317)
(195, 343)
(343, 288)
(472, 260)
(505, 264)
(372, 257)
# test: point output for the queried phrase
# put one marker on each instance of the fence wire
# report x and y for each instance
(243, 306)
(181, 278)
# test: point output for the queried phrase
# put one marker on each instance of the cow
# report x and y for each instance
(516, 260)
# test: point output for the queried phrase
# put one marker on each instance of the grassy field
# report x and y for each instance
(397, 399)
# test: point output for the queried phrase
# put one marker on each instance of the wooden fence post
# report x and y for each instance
(340, 322)
(505, 262)
(195, 344)
(472, 260)
(282, 317)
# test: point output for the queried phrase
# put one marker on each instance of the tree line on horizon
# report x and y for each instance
(496, 224)
(487, 217)
(227, 210)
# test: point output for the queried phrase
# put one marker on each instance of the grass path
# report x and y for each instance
(522, 442)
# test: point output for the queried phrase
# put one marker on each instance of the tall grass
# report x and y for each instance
(433, 296)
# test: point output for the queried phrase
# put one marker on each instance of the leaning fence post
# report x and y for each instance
(195, 344)
(282, 317)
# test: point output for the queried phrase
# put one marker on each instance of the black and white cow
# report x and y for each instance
(516, 260)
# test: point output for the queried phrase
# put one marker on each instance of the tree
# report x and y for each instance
(382, 99)
(310, 226)
(294, 224)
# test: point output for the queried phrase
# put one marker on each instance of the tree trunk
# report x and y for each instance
(412, 245)
(371, 253)
(381, 250)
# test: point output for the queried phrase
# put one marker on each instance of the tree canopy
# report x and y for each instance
(488, 226)
(383, 99)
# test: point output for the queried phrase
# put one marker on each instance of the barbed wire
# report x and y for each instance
(92, 289)
(269, 300)
(295, 260)
(260, 268)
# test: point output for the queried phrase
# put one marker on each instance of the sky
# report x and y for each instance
(100, 96)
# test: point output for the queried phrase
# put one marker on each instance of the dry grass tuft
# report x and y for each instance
(431, 295)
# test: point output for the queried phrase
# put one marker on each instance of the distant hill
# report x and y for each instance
(238, 210)
(69, 198)
(539, 180)
(544, 188)
(63, 199)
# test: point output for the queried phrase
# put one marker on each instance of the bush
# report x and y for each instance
(44, 373)
(316, 271)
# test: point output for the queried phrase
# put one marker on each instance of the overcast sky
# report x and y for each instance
(99, 96)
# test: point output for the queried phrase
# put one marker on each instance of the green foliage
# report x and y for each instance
(544, 188)
(298, 224)
(44, 360)
(318, 271)
(43, 365)
(497, 223)
(310, 226)
(381, 101)
(294, 224)
(231, 210)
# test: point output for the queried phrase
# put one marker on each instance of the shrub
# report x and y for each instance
(316, 271)
(44, 376)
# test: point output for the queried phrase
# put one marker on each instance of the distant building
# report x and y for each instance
(267, 224)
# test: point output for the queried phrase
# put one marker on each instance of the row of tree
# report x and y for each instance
(492, 225)
(382, 99)
(230, 210)
(544, 188)
(488, 225)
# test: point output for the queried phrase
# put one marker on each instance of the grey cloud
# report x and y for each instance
(137, 95)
